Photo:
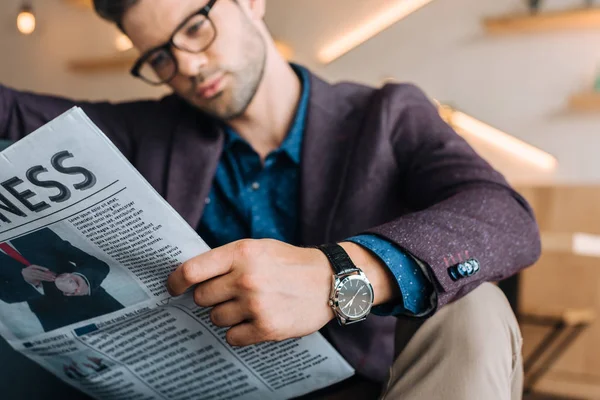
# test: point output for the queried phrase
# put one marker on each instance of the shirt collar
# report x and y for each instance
(292, 144)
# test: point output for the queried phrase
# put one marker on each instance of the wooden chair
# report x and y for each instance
(565, 326)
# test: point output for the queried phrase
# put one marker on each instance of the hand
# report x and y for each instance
(72, 285)
(265, 290)
(35, 275)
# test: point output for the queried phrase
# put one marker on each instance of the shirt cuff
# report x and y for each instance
(417, 294)
(39, 288)
(89, 293)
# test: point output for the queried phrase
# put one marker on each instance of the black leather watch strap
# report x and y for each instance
(339, 259)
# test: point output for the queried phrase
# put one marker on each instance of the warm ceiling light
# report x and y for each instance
(585, 244)
(469, 126)
(123, 43)
(26, 20)
(284, 49)
(373, 26)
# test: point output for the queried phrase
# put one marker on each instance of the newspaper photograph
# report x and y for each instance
(86, 246)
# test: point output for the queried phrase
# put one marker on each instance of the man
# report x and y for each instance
(59, 282)
(251, 147)
(73, 371)
(97, 364)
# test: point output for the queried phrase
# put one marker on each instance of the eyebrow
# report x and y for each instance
(167, 43)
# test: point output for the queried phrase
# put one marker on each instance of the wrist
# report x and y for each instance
(323, 278)
(385, 286)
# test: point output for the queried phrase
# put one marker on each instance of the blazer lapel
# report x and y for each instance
(197, 146)
(6, 260)
(331, 128)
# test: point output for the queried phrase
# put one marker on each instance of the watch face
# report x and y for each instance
(355, 297)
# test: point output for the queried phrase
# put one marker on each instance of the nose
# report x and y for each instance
(190, 64)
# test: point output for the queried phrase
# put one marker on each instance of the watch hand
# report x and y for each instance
(352, 299)
(356, 294)
(348, 304)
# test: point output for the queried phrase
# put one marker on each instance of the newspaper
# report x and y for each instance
(86, 246)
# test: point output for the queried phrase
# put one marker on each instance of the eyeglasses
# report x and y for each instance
(194, 35)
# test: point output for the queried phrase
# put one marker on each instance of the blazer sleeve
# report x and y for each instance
(94, 270)
(463, 208)
(16, 290)
(22, 112)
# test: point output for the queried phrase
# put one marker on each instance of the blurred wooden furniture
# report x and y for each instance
(567, 277)
(80, 3)
(116, 62)
(585, 102)
(566, 326)
(582, 18)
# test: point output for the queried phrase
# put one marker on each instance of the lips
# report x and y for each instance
(211, 87)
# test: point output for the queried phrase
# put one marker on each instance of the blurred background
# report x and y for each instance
(519, 79)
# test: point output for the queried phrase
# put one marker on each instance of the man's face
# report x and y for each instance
(223, 79)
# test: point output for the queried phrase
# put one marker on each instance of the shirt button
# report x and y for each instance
(207, 200)
(255, 186)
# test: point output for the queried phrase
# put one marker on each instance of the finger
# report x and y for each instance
(228, 314)
(39, 275)
(39, 267)
(215, 291)
(201, 268)
(33, 274)
(244, 334)
(247, 333)
(47, 277)
(34, 269)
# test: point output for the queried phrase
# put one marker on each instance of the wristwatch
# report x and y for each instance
(351, 296)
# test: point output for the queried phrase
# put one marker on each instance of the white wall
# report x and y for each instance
(39, 62)
(518, 83)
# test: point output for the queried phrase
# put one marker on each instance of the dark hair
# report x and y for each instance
(113, 10)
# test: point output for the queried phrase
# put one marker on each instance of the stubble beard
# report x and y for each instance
(243, 82)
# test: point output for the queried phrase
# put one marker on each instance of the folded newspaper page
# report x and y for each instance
(86, 246)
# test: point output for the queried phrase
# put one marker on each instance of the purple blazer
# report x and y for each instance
(373, 160)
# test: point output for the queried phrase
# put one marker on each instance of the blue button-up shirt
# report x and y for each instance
(252, 200)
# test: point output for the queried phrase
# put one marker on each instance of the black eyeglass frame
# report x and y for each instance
(135, 70)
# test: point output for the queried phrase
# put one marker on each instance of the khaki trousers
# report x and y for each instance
(469, 350)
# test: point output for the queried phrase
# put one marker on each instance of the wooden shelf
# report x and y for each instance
(80, 3)
(568, 316)
(578, 244)
(102, 64)
(585, 102)
(584, 18)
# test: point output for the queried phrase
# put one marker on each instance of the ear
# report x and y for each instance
(257, 8)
